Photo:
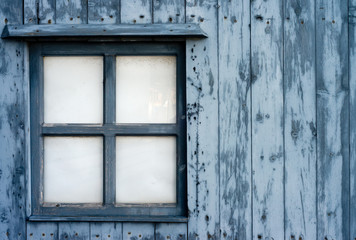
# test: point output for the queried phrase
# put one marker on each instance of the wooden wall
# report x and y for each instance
(271, 121)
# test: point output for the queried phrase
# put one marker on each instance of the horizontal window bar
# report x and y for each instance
(111, 129)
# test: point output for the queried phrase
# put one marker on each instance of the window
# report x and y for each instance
(108, 131)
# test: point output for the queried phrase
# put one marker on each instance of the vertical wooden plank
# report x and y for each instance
(71, 11)
(267, 119)
(168, 11)
(106, 231)
(142, 231)
(352, 79)
(332, 119)
(30, 11)
(234, 119)
(12, 128)
(136, 11)
(171, 231)
(46, 11)
(73, 230)
(103, 11)
(42, 231)
(202, 123)
(299, 118)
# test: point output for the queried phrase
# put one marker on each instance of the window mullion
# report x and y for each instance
(109, 139)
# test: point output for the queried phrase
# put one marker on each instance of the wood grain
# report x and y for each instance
(267, 119)
(300, 120)
(235, 120)
(332, 120)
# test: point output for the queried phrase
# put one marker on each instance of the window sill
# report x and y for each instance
(166, 219)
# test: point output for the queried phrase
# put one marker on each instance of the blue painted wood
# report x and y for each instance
(172, 231)
(168, 11)
(332, 120)
(352, 80)
(105, 231)
(142, 231)
(136, 11)
(42, 231)
(30, 11)
(267, 119)
(12, 128)
(202, 123)
(74, 231)
(103, 12)
(299, 120)
(235, 120)
(46, 11)
(96, 30)
(72, 11)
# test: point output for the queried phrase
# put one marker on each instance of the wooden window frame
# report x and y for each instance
(108, 210)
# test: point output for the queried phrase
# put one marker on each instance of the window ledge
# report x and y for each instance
(61, 31)
(166, 219)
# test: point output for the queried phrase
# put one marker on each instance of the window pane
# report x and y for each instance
(145, 169)
(146, 89)
(73, 89)
(73, 169)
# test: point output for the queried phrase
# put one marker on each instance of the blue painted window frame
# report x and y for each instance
(109, 210)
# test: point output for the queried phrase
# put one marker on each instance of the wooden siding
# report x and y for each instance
(271, 106)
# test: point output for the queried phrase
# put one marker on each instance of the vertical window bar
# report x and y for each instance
(109, 118)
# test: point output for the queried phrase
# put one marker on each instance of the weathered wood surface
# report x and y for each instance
(235, 120)
(99, 30)
(202, 123)
(332, 120)
(267, 119)
(299, 120)
(352, 79)
(136, 11)
(103, 12)
(73, 231)
(168, 11)
(13, 115)
(71, 11)
(42, 231)
(142, 231)
(271, 149)
(106, 231)
(173, 231)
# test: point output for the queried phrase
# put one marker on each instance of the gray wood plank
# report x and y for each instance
(267, 119)
(103, 11)
(168, 11)
(142, 231)
(300, 120)
(202, 123)
(13, 104)
(30, 11)
(352, 79)
(136, 11)
(332, 120)
(235, 120)
(42, 231)
(46, 11)
(71, 11)
(100, 30)
(171, 231)
(73, 231)
(105, 231)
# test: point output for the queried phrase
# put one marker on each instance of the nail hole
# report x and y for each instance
(71, 19)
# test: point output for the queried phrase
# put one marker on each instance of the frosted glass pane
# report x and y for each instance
(73, 89)
(73, 169)
(146, 89)
(145, 169)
